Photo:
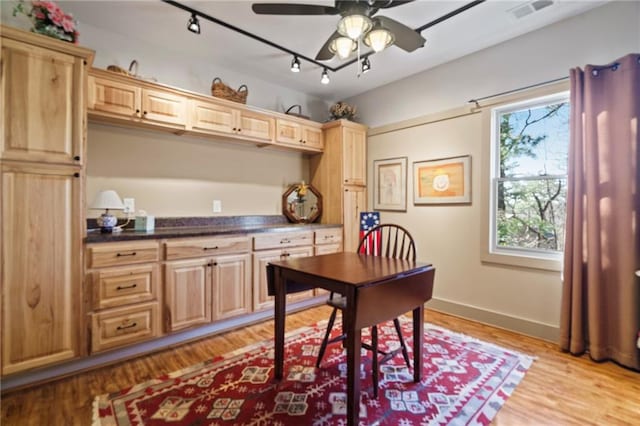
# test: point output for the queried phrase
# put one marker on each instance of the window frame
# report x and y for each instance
(491, 253)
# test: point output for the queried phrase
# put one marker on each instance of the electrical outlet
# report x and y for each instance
(217, 206)
(129, 205)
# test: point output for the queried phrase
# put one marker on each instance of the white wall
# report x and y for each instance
(450, 236)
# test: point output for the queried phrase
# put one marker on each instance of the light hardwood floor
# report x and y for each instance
(559, 389)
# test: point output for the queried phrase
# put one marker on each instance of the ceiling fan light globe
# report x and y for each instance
(342, 46)
(353, 26)
(379, 39)
(325, 77)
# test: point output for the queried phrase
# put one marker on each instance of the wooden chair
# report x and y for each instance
(386, 240)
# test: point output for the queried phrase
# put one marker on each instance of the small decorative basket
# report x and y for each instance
(296, 114)
(221, 90)
(133, 69)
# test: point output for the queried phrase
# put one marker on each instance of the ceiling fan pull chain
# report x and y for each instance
(358, 71)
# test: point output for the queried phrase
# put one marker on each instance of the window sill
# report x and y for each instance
(519, 260)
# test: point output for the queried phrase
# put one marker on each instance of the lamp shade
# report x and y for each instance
(378, 39)
(342, 46)
(353, 26)
(107, 200)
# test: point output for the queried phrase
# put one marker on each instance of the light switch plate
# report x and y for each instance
(217, 206)
(129, 205)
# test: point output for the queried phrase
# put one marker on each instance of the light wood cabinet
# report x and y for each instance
(339, 173)
(327, 241)
(187, 293)
(272, 246)
(114, 97)
(43, 113)
(204, 289)
(261, 298)
(299, 135)
(43, 128)
(123, 289)
(209, 117)
(41, 265)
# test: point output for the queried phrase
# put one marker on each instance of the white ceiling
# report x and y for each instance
(164, 26)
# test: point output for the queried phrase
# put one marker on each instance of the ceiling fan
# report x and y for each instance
(357, 21)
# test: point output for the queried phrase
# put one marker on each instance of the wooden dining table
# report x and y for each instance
(376, 288)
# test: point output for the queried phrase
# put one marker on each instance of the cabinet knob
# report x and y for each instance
(137, 111)
(76, 174)
(76, 158)
(239, 129)
(144, 112)
(234, 129)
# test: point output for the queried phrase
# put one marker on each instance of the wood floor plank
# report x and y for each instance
(559, 389)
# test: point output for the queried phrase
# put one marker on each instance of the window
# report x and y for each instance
(528, 177)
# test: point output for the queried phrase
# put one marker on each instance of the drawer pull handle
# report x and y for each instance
(133, 253)
(124, 327)
(285, 255)
(126, 287)
(328, 237)
(285, 241)
(210, 248)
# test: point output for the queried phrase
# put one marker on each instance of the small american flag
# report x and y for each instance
(369, 220)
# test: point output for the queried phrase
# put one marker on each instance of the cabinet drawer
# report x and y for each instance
(101, 255)
(282, 239)
(200, 247)
(327, 249)
(124, 286)
(328, 236)
(122, 326)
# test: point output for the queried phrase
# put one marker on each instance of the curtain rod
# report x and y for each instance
(476, 100)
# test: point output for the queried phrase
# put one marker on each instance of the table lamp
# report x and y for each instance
(107, 200)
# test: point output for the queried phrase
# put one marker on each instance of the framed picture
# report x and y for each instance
(390, 184)
(442, 181)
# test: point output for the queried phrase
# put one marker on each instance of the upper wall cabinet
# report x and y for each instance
(115, 99)
(206, 117)
(43, 97)
(133, 102)
(295, 134)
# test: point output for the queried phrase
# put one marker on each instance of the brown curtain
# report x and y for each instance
(601, 292)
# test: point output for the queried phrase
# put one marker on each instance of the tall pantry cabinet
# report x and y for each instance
(42, 157)
(339, 173)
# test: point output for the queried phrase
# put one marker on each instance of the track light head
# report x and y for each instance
(366, 65)
(295, 64)
(194, 25)
(325, 77)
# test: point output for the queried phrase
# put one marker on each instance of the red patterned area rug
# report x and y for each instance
(465, 381)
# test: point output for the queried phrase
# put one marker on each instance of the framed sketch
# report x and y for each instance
(390, 184)
(442, 181)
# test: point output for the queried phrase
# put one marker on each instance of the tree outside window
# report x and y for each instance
(529, 179)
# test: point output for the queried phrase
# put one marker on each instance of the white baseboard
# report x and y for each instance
(519, 325)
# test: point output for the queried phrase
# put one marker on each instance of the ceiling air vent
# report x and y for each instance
(523, 10)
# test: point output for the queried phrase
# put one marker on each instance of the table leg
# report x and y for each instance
(418, 341)
(279, 319)
(353, 340)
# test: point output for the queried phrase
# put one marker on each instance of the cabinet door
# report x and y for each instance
(114, 97)
(355, 201)
(210, 117)
(164, 107)
(41, 265)
(255, 126)
(312, 137)
(288, 132)
(43, 104)
(187, 293)
(231, 286)
(261, 298)
(354, 153)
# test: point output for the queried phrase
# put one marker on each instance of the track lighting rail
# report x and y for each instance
(324, 66)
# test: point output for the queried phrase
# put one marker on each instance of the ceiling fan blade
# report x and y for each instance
(395, 3)
(406, 38)
(325, 54)
(293, 9)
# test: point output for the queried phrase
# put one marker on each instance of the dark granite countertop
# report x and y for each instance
(202, 227)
